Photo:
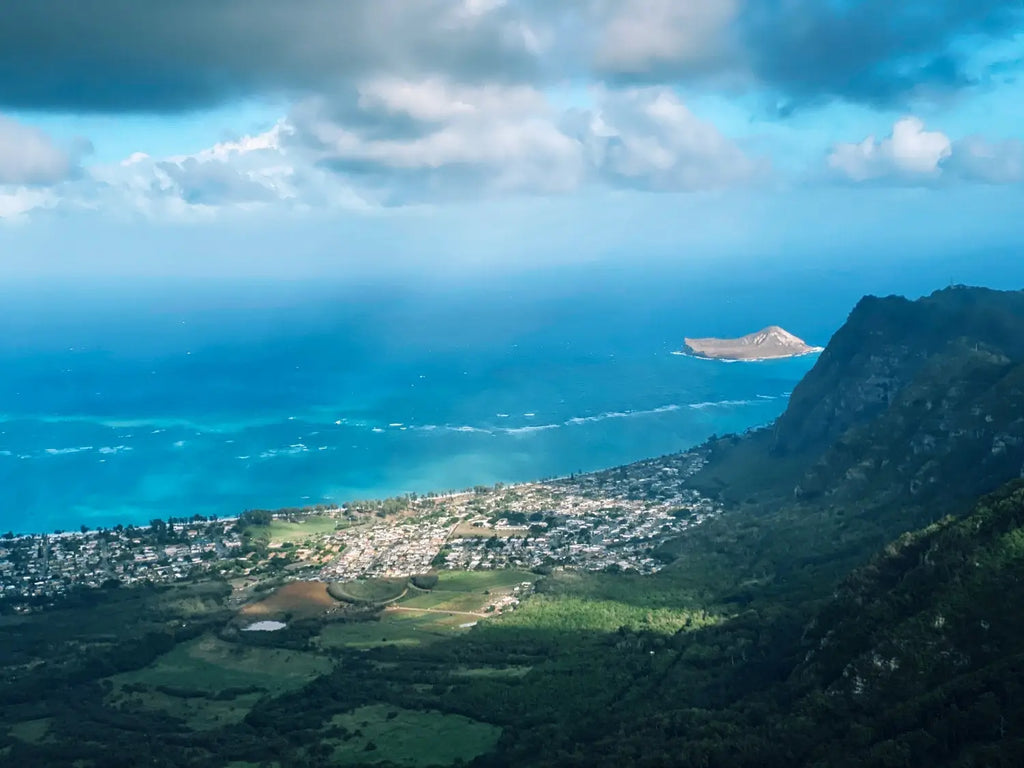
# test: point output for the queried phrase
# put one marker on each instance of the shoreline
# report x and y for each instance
(812, 351)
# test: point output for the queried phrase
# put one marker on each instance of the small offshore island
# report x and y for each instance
(771, 343)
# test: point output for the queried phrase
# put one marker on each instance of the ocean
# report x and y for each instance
(120, 405)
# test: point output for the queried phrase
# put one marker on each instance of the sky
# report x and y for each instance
(444, 138)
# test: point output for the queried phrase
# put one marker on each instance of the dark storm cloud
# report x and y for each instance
(873, 51)
(152, 55)
(169, 55)
(878, 52)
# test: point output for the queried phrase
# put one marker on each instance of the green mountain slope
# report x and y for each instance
(913, 411)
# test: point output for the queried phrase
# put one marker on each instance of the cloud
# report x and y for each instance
(428, 139)
(913, 155)
(29, 157)
(647, 138)
(872, 51)
(123, 55)
(638, 37)
(16, 203)
(976, 159)
(254, 173)
(396, 141)
(431, 139)
(909, 153)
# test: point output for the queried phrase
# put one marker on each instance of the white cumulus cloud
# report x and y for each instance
(913, 155)
(999, 162)
(637, 36)
(648, 138)
(29, 157)
(909, 153)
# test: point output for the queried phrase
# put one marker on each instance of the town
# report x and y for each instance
(612, 520)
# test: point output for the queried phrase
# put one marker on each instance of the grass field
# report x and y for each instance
(208, 665)
(468, 581)
(282, 531)
(470, 602)
(31, 731)
(404, 737)
(369, 591)
(420, 617)
(396, 628)
(499, 672)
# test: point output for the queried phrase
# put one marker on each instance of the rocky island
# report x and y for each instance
(770, 343)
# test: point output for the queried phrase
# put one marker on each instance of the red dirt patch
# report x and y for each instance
(301, 599)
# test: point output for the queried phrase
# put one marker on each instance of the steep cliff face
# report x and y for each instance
(886, 346)
(955, 430)
(913, 410)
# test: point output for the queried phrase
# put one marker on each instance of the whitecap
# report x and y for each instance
(291, 450)
(534, 428)
(67, 451)
(719, 403)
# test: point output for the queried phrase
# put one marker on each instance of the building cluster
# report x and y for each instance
(383, 549)
(37, 567)
(597, 521)
(624, 539)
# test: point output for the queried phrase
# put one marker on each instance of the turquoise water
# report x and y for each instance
(121, 407)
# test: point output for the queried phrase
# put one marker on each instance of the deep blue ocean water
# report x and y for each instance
(120, 405)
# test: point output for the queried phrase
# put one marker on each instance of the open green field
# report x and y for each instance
(470, 602)
(422, 616)
(468, 581)
(209, 682)
(395, 628)
(281, 531)
(32, 731)
(469, 591)
(369, 591)
(406, 737)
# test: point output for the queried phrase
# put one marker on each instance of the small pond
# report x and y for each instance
(265, 626)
